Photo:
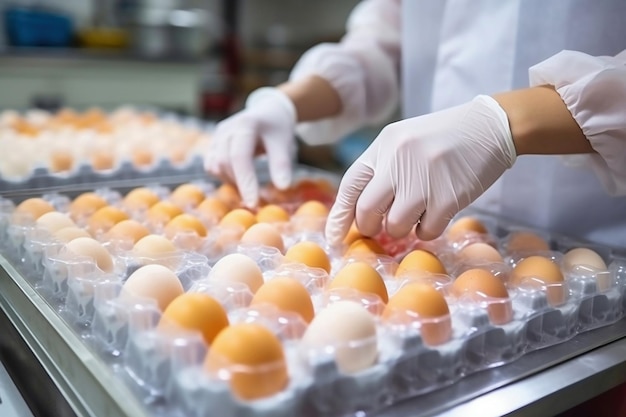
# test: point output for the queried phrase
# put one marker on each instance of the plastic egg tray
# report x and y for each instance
(164, 369)
(69, 147)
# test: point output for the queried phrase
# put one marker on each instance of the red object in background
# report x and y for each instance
(216, 105)
(609, 404)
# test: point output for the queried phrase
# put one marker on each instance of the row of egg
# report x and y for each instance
(424, 301)
(66, 140)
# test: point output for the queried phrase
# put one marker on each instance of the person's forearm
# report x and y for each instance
(313, 97)
(541, 123)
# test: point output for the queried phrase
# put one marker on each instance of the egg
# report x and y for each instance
(199, 312)
(142, 158)
(427, 303)
(420, 261)
(185, 223)
(349, 331)
(583, 257)
(540, 270)
(272, 213)
(102, 160)
(479, 281)
(236, 267)
(522, 241)
(310, 254)
(91, 248)
(162, 212)
(310, 216)
(253, 359)
(130, 230)
(212, 209)
(153, 246)
(86, 204)
(238, 217)
(105, 218)
(538, 267)
(464, 226)
(70, 233)
(264, 234)
(33, 208)
(362, 277)
(312, 208)
(155, 282)
(54, 221)
(480, 251)
(352, 235)
(287, 294)
(363, 247)
(140, 199)
(61, 160)
(229, 195)
(187, 195)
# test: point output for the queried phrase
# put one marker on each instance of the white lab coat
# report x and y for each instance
(445, 52)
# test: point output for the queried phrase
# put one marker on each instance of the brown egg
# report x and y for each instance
(33, 208)
(536, 270)
(105, 218)
(238, 218)
(362, 277)
(286, 294)
(310, 254)
(464, 226)
(254, 373)
(353, 235)
(229, 195)
(130, 230)
(272, 213)
(519, 242)
(86, 204)
(61, 160)
(142, 157)
(141, 198)
(162, 212)
(426, 302)
(264, 234)
(364, 246)
(419, 261)
(187, 195)
(480, 252)
(196, 311)
(474, 281)
(185, 223)
(212, 208)
(312, 208)
(102, 160)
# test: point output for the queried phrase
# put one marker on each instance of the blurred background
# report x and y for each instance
(194, 57)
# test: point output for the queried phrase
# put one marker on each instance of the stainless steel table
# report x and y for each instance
(52, 359)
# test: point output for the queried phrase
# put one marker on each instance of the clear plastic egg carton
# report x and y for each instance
(71, 148)
(175, 372)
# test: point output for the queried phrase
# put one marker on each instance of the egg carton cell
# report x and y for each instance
(600, 310)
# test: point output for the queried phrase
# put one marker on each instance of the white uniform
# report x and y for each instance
(445, 52)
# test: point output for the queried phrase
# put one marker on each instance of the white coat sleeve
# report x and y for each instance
(363, 68)
(594, 90)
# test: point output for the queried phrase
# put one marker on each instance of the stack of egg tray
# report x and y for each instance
(164, 371)
(82, 148)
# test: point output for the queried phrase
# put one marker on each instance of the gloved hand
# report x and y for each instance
(423, 171)
(267, 125)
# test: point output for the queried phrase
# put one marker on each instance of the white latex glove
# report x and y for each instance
(423, 171)
(267, 125)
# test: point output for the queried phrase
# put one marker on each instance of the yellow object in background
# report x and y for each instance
(103, 37)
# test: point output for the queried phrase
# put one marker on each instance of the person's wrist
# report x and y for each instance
(501, 127)
(272, 98)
